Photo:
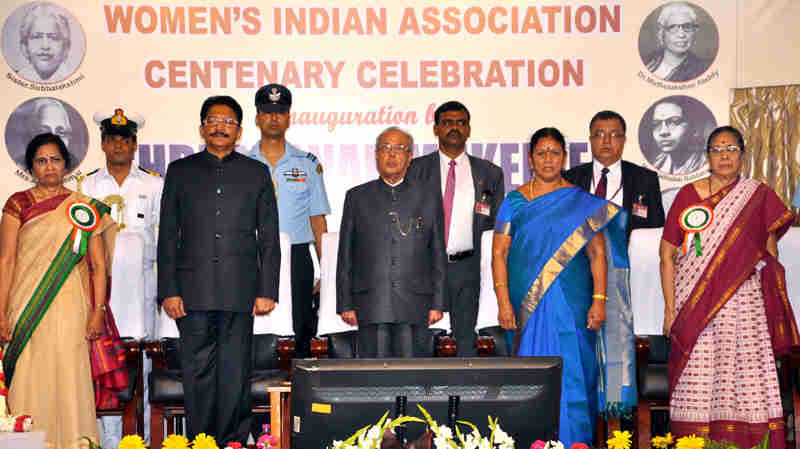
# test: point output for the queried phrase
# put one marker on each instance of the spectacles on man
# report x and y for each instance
(602, 134)
(222, 121)
(687, 27)
(729, 149)
(670, 123)
(396, 148)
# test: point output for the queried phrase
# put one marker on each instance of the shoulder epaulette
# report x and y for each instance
(311, 156)
(149, 172)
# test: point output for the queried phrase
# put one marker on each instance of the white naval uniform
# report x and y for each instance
(133, 267)
(133, 277)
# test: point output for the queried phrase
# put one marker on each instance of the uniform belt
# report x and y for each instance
(453, 258)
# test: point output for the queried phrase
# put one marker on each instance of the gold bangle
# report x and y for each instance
(604, 298)
(499, 284)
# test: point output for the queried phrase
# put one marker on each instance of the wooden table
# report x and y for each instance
(279, 413)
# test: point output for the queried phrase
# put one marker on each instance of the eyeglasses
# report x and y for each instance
(670, 123)
(397, 148)
(729, 149)
(223, 121)
(687, 27)
(612, 134)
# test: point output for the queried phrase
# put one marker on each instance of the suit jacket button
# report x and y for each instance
(215, 260)
(394, 284)
(218, 236)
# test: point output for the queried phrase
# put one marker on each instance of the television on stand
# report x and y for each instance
(332, 398)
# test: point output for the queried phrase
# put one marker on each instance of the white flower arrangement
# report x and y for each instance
(370, 437)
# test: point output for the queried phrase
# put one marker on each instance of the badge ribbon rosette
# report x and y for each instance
(85, 219)
(694, 220)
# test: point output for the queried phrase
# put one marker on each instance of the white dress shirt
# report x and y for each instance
(613, 181)
(460, 233)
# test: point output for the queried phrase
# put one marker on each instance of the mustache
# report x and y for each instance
(454, 132)
(219, 134)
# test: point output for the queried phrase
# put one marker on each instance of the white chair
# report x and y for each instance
(487, 326)
(335, 338)
(647, 300)
(278, 322)
(329, 321)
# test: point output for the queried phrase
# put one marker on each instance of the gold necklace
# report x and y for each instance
(560, 183)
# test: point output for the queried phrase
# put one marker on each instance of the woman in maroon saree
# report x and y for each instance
(726, 309)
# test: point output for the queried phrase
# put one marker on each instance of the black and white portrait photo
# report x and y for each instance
(678, 42)
(46, 115)
(43, 42)
(673, 134)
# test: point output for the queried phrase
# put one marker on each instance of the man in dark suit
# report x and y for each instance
(390, 270)
(634, 188)
(218, 260)
(470, 190)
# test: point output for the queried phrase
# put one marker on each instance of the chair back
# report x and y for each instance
(487, 305)
(653, 353)
(647, 300)
(329, 321)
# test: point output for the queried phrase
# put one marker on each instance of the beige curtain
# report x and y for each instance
(769, 118)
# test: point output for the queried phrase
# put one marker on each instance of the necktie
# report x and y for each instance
(601, 186)
(447, 201)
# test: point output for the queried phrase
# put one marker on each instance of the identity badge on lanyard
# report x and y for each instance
(693, 220)
(483, 207)
(639, 208)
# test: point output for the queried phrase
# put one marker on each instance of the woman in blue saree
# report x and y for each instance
(553, 247)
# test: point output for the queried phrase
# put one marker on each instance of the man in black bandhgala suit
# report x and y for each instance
(218, 265)
(390, 271)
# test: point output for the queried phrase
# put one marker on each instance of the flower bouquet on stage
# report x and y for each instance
(386, 434)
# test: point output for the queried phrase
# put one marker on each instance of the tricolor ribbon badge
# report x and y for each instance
(85, 219)
(693, 220)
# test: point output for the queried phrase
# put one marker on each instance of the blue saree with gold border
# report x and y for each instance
(550, 287)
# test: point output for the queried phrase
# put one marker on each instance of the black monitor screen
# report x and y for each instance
(333, 398)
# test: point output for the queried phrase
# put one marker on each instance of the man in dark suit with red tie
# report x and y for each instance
(471, 190)
(633, 187)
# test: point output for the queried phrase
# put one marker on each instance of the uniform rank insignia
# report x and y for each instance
(295, 175)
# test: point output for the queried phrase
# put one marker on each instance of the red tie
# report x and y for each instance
(447, 201)
(601, 186)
